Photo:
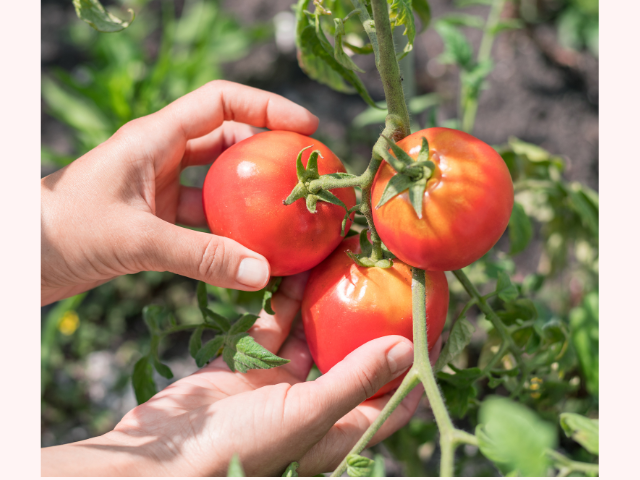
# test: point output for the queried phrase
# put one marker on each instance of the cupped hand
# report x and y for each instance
(112, 211)
(270, 418)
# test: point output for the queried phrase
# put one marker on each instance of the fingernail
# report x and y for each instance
(252, 273)
(400, 356)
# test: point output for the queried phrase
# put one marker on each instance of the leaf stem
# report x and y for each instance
(497, 324)
(567, 466)
(408, 383)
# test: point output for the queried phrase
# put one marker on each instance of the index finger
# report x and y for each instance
(204, 110)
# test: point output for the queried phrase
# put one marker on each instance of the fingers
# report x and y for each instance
(190, 211)
(204, 150)
(204, 110)
(215, 260)
(295, 348)
(327, 454)
(270, 331)
(362, 373)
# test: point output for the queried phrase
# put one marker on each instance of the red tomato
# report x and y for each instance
(344, 306)
(243, 194)
(465, 209)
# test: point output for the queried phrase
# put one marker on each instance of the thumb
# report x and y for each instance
(215, 260)
(361, 374)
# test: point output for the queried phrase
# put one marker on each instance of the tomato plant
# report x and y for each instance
(465, 207)
(243, 196)
(345, 305)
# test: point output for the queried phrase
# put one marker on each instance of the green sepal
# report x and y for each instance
(298, 192)
(327, 196)
(398, 184)
(416, 195)
(312, 200)
(400, 154)
(300, 170)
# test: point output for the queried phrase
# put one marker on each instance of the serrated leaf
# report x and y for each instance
(216, 320)
(514, 437)
(243, 324)
(359, 466)
(209, 350)
(195, 341)
(401, 14)
(92, 12)
(459, 390)
(459, 338)
(457, 49)
(142, 380)
(583, 430)
(398, 184)
(416, 195)
(520, 229)
(507, 291)
(338, 51)
(235, 467)
(422, 8)
(201, 295)
(291, 470)
(242, 353)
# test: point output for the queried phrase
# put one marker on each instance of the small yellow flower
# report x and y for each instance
(69, 323)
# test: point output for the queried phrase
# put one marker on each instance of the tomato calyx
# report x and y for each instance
(412, 175)
(303, 187)
(364, 259)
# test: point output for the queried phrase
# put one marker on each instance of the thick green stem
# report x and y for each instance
(494, 319)
(470, 105)
(410, 381)
(387, 65)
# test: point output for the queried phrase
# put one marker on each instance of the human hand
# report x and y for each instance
(269, 417)
(112, 211)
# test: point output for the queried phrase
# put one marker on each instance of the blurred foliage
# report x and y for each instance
(129, 74)
(541, 278)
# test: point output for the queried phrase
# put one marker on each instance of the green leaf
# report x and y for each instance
(338, 52)
(161, 368)
(201, 295)
(583, 205)
(351, 233)
(514, 437)
(401, 13)
(459, 338)
(195, 341)
(291, 470)
(243, 324)
(507, 291)
(520, 229)
(242, 353)
(457, 49)
(359, 466)
(216, 320)
(459, 390)
(398, 184)
(520, 309)
(142, 380)
(235, 467)
(463, 20)
(508, 24)
(209, 350)
(422, 8)
(317, 59)
(583, 430)
(92, 12)
(151, 316)
(272, 287)
(584, 322)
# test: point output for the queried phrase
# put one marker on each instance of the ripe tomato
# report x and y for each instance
(344, 306)
(243, 194)
(466, 205)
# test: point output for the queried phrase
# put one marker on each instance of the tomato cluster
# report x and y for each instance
(466, 206)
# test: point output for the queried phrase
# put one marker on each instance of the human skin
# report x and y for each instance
(269, 417)
(113, 211)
